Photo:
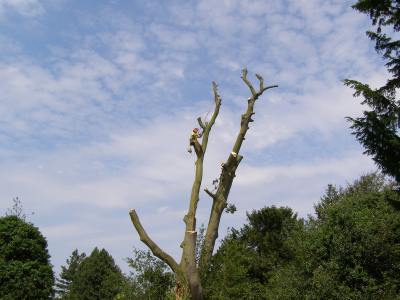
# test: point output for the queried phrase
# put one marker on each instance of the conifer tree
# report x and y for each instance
(378, 129)
(97, 278)
(68, 274)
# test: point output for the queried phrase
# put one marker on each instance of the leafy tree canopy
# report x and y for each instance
(350, 250)
(25, 269)
(151, 278)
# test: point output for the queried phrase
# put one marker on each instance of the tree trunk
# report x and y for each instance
(188, 286)
(181, 290)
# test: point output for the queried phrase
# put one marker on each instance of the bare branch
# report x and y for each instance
(262, 88)
(217, 98)
(228, 172)
(201, 124)
(269, 87)
(248, 83)
(214, 116)
(157, 251)
(209, 193)
(259, 77)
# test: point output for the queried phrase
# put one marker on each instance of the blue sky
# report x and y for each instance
(98, 99)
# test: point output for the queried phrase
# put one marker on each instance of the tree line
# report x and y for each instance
(349, 249)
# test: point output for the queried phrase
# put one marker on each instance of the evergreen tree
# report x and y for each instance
(377, 129)
(96, 278)
(25, 269)
(68, 274)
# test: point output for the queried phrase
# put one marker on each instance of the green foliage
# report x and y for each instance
(350, 250)
(200, 242)
(230, 208)
(376, 129)
(25, 269)
(68, 274)
(331, 196)
(98, 277)
(246, 260)
(95, 277)
(151, 278)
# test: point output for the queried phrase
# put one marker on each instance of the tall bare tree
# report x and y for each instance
(188, 271)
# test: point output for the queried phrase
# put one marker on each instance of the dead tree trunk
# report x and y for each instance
(187, 272)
